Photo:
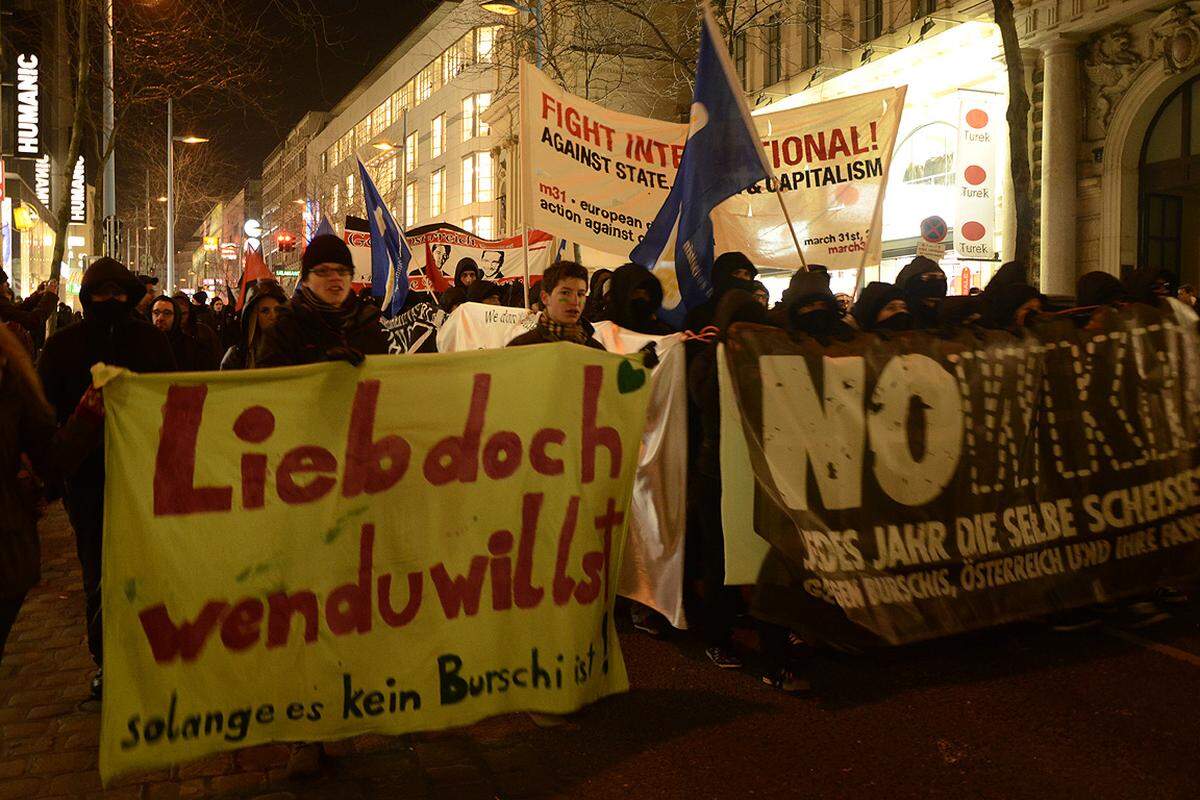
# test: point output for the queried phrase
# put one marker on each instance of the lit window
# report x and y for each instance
(410, 152)
(485, 44)
(739, 57)
(482, 101)
(473, 108)
(483, 227)
(477, 178)
(335, 204)
(349, 190)
(773, 47)
(410, 205)
(437, 192)
(468, 117)
(438, 138)
(468, 180)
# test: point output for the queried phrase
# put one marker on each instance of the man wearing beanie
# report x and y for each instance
(324, 320)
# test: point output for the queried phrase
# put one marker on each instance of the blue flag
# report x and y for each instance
(390, 255)
(325, 227)
(723, 155)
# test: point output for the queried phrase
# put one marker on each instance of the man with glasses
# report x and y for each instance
(324, 320)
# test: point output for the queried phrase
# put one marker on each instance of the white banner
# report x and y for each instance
(975, 166)
(438, 248)
(652, 570)
(599, 177)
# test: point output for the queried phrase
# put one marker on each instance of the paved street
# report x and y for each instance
(1019, 712)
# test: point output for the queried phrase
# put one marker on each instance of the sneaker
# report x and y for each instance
(723, 657)
(98, 684)
(1142, 614)
(1171, 596)
(1079, 619)
(305, 760)
(785, 680)
(648, 621)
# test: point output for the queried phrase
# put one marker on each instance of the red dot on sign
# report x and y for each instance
(254, 425)
(848, 195)
(977, 118)
(975, 175)
(972, 231)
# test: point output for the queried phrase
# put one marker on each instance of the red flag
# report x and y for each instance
(255, 268)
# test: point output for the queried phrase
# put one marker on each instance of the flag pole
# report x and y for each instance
(788, 219)
(521, 179)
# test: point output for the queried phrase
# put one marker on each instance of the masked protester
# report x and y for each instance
(466, 273)
(762, 295)
(812, 310)
(1012, 307)
(881, 307)
(726, 267)
(1096, 295)
(108, 333)
(485, 292)
(262, 309)
(598, 296)
(1149, 285)
(167, 317)
(635, 296)
(452, 298)
(324, 320)
(564, 292)
(923, 284)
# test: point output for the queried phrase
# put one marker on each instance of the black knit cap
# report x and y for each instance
(325, 249)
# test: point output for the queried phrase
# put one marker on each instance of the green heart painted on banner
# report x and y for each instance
(630, 378)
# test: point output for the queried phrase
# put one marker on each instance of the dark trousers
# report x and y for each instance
(718, 604)
(85, 508)
(8, 615)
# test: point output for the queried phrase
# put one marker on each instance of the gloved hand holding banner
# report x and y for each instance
(407, 545)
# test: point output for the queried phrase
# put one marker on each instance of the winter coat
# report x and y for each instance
(625, 281)
(27, 431)
(724, 266)
(301, 335)
(925, 314)
(66, 360)
(240, 355)
(31, 313)
(874, 296)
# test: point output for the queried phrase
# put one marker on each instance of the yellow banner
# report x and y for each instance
(316, 552)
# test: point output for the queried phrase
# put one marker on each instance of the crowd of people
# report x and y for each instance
(51, 442)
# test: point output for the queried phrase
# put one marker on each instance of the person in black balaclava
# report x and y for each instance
(726, 267)
(466, 273)
(108, 333)
(452, 298)
(1150, 286)
(812, 310)
(881, 307)
(485, 292)
(1012, 307)
(599, 293)
(923, 284)
(635, 297)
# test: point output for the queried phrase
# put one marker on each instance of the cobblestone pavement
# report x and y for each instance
(1015, 712)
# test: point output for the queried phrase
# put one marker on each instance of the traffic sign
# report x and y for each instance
(933, 229)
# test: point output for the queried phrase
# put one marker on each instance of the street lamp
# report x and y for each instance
(171, 140)
(509, 8)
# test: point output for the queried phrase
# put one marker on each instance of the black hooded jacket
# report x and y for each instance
(66, 361)
(1098, 289)
(183, 345)
(725, 265)
(637, 317)
(908, 281)
(596, 307)
(465, 265)
(301, 335)
(240, 355)
(874, 296)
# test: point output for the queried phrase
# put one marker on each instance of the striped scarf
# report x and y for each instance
(337, 318)
(562, 333)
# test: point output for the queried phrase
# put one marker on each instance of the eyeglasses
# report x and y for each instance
(329, 272)
(166, 312)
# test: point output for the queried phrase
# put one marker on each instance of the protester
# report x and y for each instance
(1149, 285)
(636, 295)
(109, 333)
(466, 273)
(260, 313)
(881, 307)
(166, 316)
(845, 303)
(208, 346)
(452, 298)
(1012, 307)
(764, 297)
(143, 307)
(598, 296)
(563, 291)
(1187, 295)
(485, 292)
(726, 267)
(812, 310)
(923, 284)
(324, 320)
(30, 313)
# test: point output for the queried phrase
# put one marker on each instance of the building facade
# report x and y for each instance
(220, 243)
(285, 196)
(416, 122)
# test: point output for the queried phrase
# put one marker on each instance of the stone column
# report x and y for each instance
(1060, 144)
